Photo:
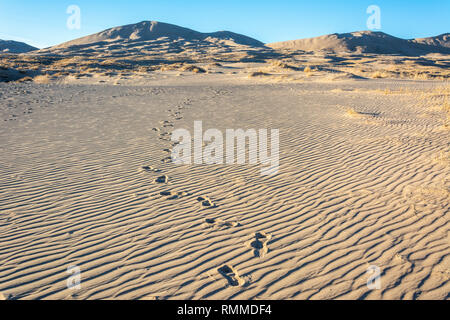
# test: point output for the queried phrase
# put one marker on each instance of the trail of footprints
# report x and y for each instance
(164, 133)
(260, 240)
(259, 247)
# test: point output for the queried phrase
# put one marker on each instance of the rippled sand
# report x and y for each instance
(363, 181)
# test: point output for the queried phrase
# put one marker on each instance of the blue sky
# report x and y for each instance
(43, 23)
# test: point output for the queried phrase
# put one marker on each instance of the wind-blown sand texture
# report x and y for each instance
(363, 181)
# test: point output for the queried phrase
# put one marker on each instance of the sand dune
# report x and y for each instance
(9, 46)
(439, 41)
(368, 42)
(146, 49)
(149, 31)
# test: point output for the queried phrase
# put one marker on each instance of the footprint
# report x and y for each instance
(166, 160)
(211, 221)
(162, 179)
(3, 296)
(231, 224)
(164, 134)
(259, 245)
(166, 124)
(231, 275)
(218, 223)
(206, 202)
(174, 195)
(150, 169)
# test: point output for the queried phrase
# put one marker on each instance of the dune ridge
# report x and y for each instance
(153, 30)
(368, 42)
(10, 46)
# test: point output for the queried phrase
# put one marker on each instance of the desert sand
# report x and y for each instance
(85, 179)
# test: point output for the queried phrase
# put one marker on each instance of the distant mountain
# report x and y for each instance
(9, 46)
(368, 42)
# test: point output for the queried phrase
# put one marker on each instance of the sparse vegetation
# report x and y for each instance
(192, 68)
(353, 113)
(379, 75)
(259, 74)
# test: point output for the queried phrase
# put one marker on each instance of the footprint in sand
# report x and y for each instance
(166, 123)
(174, 195)
(259, 245)
(219, 223)
(150, 169)
(3, 296)
(164, 134)
(162, 179)
(231, 275)
(206, 202)
(166, 160)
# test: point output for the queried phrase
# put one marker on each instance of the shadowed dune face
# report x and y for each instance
(9, 46)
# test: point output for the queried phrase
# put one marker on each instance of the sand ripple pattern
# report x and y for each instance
(351, 192)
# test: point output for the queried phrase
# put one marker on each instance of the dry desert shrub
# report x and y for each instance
(43, 79)
(282, 65)
(192, 68)
(422, 76)
(166, 67)
(144, 69)
(258, 73)
(25, 79)
(379, 75)
(215, 64)
(353, 113)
